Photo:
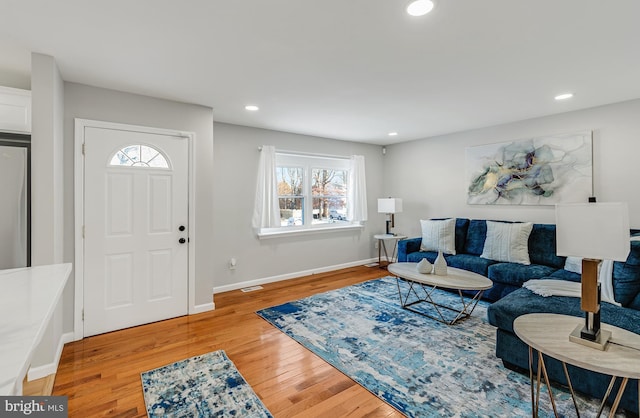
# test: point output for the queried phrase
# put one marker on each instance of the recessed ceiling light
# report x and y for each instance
(252, 108)
(420, 7)
(393, 134)
(564, 96)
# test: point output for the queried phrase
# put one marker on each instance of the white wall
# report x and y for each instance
(46, 161)
(235, 169)
(95, 103)
(47, 191)
(429, 174)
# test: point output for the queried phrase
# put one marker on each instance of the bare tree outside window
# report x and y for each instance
(290, 196)
(312, 190)
(329, 192)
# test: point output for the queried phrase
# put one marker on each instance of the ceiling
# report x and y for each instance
(345, 69)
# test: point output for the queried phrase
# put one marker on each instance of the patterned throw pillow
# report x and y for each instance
(438, 235)
(507, 242)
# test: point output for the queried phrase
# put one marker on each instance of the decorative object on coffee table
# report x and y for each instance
(440, 265)
(596, 232)
(424, 266)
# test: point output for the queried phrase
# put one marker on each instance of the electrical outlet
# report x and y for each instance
(232, 263)
(375, 245)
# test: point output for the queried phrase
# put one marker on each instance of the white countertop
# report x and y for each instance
(28, 298)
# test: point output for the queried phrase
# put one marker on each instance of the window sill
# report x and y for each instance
(283, 232)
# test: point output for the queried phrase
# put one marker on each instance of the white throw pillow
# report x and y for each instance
(507, 242)
(573, 264)
(438, 235)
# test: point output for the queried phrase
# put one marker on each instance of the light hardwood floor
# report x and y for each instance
(101, 374)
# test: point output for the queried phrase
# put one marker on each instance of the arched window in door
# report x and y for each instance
(139, 155)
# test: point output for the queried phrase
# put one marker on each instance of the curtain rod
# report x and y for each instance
(309, 154)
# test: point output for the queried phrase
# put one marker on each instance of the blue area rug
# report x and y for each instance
(201, 386)
(417, 365)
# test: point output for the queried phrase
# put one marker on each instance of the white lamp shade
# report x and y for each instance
(390, 205)
(593, 230)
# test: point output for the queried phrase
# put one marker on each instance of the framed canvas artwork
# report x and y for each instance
(537, 171)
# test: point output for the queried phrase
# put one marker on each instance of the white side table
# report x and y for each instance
(549, 334)
(382, 247)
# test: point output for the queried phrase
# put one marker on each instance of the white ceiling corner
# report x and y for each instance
(351, 70)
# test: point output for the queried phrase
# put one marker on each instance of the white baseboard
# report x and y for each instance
(51, 368)
(281, 277)
(205, 307)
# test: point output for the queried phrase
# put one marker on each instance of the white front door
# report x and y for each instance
(136, 225)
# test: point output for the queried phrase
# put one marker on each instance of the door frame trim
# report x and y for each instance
(79, 135)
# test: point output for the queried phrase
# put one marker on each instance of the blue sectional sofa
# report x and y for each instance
(510, 300)
(507, 277)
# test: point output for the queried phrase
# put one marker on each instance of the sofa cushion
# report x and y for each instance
(470, 262)
(438, 235)
(498, 291)
(408, 246)
(635, 303)
(626, 282)
(462, 225)
(416, 256)
(476, 234)
(542, 246)
(516, 274)
(507, 242)
(522, 301)
(565, 275)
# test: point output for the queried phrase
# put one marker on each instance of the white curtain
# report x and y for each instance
(357, 210)
(266, 213)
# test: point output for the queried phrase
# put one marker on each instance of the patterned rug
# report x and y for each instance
(419, 366)
(201, 386)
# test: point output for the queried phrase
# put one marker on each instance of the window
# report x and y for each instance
(139, 155)
(290, 196)
(312, 190)
(329, 191)
(299, 194)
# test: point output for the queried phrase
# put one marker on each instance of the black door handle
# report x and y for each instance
(181, 228)
(182, 240)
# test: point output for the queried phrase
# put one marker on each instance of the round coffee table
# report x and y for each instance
(456, 279)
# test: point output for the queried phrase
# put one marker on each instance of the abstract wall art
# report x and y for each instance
(537, 171)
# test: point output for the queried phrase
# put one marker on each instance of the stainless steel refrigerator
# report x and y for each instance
(15, 201)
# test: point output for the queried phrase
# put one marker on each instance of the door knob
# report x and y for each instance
(181, 228)
(182, 240)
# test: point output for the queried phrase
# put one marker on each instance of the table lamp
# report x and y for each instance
(595, 232)
(390, 206)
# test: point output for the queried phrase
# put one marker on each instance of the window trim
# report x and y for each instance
(269, 233)
(309, 162)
